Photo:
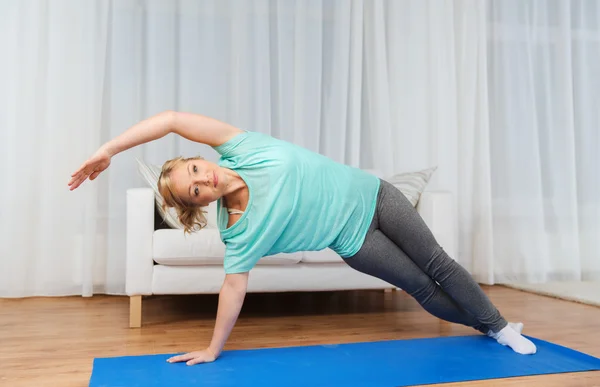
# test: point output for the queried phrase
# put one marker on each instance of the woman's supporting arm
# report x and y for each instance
(231, 299)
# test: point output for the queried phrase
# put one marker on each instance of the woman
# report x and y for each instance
(276, 197)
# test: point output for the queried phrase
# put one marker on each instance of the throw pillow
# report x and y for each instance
(412, 184)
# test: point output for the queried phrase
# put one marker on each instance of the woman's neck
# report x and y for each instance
(235, 190)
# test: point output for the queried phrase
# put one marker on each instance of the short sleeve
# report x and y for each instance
(246, 144)
(234, 146)
(237, 260)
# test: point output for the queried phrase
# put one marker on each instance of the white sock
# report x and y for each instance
(510, 337)
(517, 327)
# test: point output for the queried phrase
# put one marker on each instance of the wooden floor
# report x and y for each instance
(52, 341)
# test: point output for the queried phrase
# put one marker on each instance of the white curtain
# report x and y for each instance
(544, 95)
(499, 95)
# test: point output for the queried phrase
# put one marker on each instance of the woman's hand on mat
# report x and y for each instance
(91, 168)
(192, 358)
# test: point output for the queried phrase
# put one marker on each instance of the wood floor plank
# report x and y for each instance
(53, 341)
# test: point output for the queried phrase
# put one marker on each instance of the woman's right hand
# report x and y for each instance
(192, 358)
(91, 168)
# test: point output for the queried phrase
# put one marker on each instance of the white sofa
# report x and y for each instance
(165, 261)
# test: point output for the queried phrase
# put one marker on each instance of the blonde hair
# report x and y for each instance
(191, 216)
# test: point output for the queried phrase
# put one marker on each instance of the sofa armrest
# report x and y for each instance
(438, 211)
(140, 229)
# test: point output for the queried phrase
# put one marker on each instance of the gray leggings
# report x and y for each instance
(400, 249)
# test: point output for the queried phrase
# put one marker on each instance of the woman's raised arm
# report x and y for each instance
(194, 127)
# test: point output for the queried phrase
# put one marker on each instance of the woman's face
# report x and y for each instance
(198, 182)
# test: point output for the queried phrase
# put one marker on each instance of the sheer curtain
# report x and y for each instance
(391, 85)
(544, 93)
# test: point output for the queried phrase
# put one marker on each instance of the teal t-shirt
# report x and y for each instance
(298, 200)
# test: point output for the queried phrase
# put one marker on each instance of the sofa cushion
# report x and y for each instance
(322, 256)
(173, 247)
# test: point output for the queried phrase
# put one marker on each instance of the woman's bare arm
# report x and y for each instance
(194, 127)
(231, 299)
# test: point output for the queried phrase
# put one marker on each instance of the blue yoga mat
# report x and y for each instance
(383, 363)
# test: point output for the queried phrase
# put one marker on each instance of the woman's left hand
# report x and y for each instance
(192, 358)
(91, 168)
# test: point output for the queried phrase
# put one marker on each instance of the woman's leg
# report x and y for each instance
(402, 224)
(381, 258)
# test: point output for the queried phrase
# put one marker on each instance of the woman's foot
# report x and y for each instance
(517, 327)
(510, 335)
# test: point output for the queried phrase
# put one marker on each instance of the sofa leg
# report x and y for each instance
(135, 311)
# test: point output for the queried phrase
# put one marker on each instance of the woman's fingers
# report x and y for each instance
(185, 357)
(76, 181)
(80, 169)
(195, 361)
(74, 185)
(91, 168)
(86, 170)
(76, 176)
(192, 358)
